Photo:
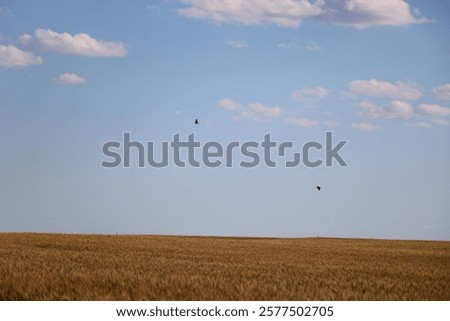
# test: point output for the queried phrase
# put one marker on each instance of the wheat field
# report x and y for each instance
(110, 267)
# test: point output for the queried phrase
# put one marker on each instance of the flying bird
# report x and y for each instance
(196, 121)
(318, 188)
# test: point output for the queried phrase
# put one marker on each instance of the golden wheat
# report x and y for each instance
(94, 267)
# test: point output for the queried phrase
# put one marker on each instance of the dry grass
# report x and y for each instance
(92, 267)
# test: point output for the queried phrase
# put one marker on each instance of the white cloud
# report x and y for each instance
(362, 14)
(78, 44)
(397, 109)
(442, 92)
(11, 57)
(303, 122)
(313, 46)
(433, 110)
(237, 43)
(373, 87)
(364, 126)
(392, 110)
(285, 13)
(289, 13)
(309, 94)
(69, 79)
(253, 111)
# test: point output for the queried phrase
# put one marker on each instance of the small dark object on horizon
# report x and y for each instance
(318, 188)
(196, 121)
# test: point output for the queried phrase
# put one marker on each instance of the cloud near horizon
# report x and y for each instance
(64, 43)
(358, 14)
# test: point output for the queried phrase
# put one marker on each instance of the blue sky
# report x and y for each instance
(74, 75)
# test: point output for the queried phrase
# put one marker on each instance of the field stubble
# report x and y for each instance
(110, 267)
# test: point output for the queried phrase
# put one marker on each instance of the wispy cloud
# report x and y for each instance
(309, 94)
(442, 92)
(253, 111)
(364, 126)
(303, 122)
(441, 121)
(420, 124)
(12, 57)
(345, 94)
(289, 45)
(332, 120)
(313, 46)
(310, 46)
(69, 79)
(78, 44)
(237, 43)
(330, 123)
(153, 7)
(5, 12)
(290, 13)
(399, 89)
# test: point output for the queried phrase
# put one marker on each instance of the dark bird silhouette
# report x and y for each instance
(196, 121)
(318, 188)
